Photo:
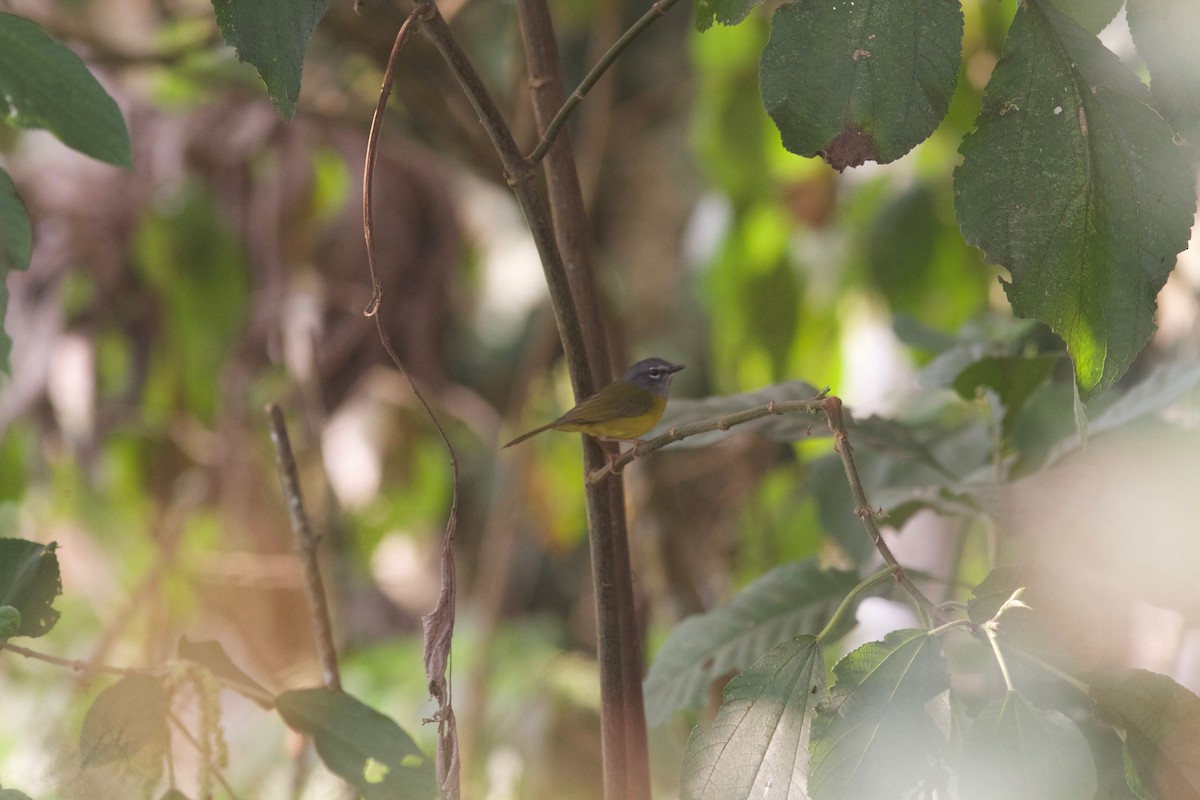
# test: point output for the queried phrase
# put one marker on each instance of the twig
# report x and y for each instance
(305, 543)
(589, 80)
(178, 723)
(721, 423)
(848, 601)
(402, 37)
(832, 406)
(78, 665)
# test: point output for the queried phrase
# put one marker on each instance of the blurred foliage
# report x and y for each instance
(165, 305)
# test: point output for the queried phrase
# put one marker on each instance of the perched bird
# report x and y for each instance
(621, 411)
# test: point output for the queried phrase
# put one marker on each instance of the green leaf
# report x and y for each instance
(13, 794)
(212, 656)
(123, 719)
(272, 35)
(44, 85)
(1092, 15)
(29, 582)
(364, 747)
(757, 747)
(10, 622)
(873, 737)
(726, 12)
(860, 81)
(1012, 378)
(791, 599)
(1072, 182)
(16, 247)
(1160, 721)
(172, 794)
(1015, 749)
(1165, 34)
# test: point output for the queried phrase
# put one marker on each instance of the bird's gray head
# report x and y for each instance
(653, 375)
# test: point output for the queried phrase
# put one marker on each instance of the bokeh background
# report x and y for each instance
(167, 304)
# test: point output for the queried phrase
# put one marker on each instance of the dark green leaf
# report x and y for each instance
(10, 622)
(123, 719)
(1015, 749)
(213, 657)
(16, 246)
(272, 35)
(1092, 15)
(1012, 378)
(29, 582)
(873, 737)
(1161, 724)
(757, 747)
(361, 745)
(726, 12)
(44, 85)
(1072, 182)
(1165, 34)
(791, 599)
(13, 794)
(856, 82)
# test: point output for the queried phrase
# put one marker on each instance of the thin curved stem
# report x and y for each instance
(848, 601)
(657, 10)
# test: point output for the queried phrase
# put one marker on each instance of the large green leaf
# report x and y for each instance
(1165, 34)
(757, 747)
(123, 719)
(1161, 724)
(873, 737)
(726, 12)
(361, 745)
(860, 81)
(29, 582)
(272, 35)
(789, 600)
(1092, 15)
(44, 85)
(1074, 183)
(1015, 749)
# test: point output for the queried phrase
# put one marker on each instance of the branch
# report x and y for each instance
(832, 406)
(306, 548)
(721, 423)
(78, 665)
(657, 10)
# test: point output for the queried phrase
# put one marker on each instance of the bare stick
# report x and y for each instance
(832, 406)
(589, 80)
(78, 665)
(305, 543)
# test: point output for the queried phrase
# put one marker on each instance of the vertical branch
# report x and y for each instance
(306, 549)
(623, 720)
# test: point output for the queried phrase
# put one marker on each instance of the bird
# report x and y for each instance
(621, 411)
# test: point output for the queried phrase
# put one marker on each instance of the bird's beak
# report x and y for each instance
(675, 368)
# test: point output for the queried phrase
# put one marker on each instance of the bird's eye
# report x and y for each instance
(656, 373)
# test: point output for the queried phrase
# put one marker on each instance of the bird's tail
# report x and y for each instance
(525, 436)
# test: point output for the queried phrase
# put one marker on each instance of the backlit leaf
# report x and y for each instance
(123, 719)
(1073, 182)
(1165, 34)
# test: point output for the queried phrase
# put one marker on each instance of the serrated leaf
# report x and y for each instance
(757, 747)
(364, 747)
(860, 81)
(1015, 749)
(272, 35)
(789, 600)
(873, 737)
(29, 582)
(45, 85)
(123, 719)
(1165, 34)
(212, 656)
(1012, 378)
(1073, 182)
(1160, 721)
